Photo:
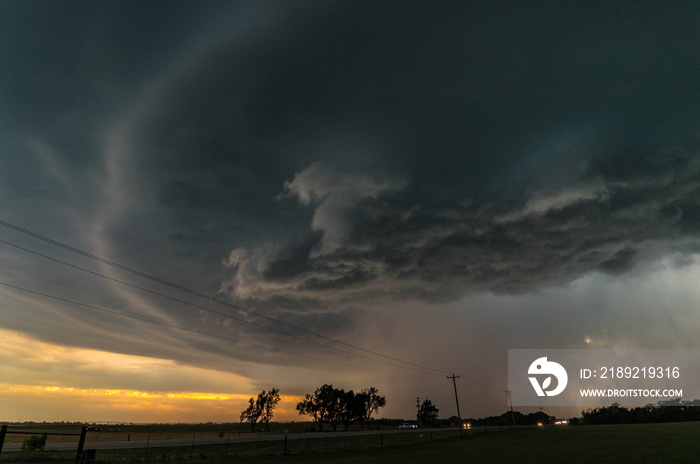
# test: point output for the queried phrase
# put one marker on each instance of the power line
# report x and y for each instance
(207, 297)
(488, 387)
(185, 329)
(153, 292)
(227, 304)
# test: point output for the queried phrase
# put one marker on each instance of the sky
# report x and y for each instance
(202, 200)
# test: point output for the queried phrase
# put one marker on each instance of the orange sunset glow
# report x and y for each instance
(61, 399)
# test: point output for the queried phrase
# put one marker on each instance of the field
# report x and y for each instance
(619, 444)
(642, 443)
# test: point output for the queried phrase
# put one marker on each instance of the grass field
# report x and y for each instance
(642, 443)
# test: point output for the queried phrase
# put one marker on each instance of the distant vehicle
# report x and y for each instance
(407, 425)
(94, 428)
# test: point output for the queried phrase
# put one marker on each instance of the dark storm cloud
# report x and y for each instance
(360, 150)
(608, 220)
(460, 100)
(344, 156)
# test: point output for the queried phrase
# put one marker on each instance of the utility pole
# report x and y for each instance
(510, 400)
(454, 383)
(459, 415)
(418, 413)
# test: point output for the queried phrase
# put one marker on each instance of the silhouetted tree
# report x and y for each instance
(268, 402)
(261, 408)
(336, 411)
(251, 414)
(335, 406)
(506, 419)
(369, 402)
(428, 412)
(348, 408)
(666, 411)
(320, 406)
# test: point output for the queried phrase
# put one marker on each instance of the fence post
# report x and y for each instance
(148, 442)
(285, 445)
(3, 432)
(81, 444)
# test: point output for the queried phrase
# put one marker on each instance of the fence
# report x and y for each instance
(167, 446)
(275, 445)
(79, 456)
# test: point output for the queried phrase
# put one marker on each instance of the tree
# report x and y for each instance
(319, 406)
(349, 407)
(251, 414)
(335, 406)
(268, 402)
(34, 443)
(369, 403)
(261, 408)
(337, 410)
(428, 412)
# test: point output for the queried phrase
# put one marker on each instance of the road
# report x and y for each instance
(221, 440)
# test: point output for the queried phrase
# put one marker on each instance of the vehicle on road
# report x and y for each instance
(408, 425)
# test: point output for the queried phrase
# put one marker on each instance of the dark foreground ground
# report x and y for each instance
(642, 443)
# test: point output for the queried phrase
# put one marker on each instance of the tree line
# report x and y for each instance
(327, 405)
(667, 411)
(335, 406)
(508, 417)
